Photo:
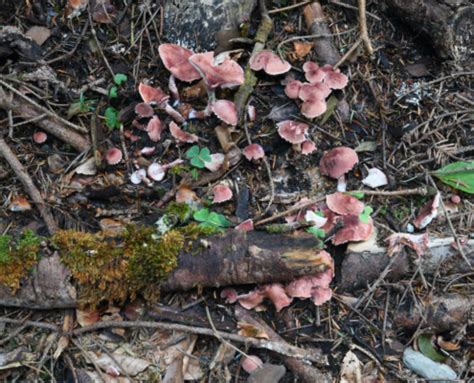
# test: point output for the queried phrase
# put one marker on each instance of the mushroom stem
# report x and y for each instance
(341, 184)
(173, 113)
(173, 88)
(211, 98)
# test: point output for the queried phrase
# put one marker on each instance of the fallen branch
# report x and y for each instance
(29, 185)
(364, 34)
(226, 259)
(51, 125)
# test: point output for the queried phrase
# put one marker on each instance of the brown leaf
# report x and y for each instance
(87, 317)
(38, 34)
(247, 329)
(301, 49)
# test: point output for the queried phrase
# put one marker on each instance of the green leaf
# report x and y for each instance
(120, 78)
(318, 233)
(113, 92)
(197, 162)
(357, 195)
(427, 348)
(205, 155)
(459, 175)
(111, 117)
(330, 107)
(5, 248)
(201, 215)
(194, 174)
(193, 151)
(365, 215)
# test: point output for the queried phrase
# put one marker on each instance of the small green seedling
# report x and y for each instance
(119, 79)
(317, 232)
(111, 117)
(365, 215)
(459, 175)
(82, 106)
(358, 195)
(210, 219)
(198, 156)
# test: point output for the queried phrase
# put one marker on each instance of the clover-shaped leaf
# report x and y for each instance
(120, 78)
(198, 157)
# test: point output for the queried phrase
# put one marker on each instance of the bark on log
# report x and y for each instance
(363, 265)
(230, 259)
(446, 25)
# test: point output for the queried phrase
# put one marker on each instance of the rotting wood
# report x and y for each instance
(221, 260)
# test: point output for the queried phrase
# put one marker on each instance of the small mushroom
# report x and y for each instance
(151, 94)
(308, 147)
(337, 162)
(313, 97)
(271, 63)
(253, 152)
(144, 110)
(353, 230)
(180, 135)
(428, 212)
(226, 111)
(344, 204)
(154, 129)
(156, 172)
(292, 88)
(40, 137)
(326, 74)
(176, 59)
(251, 363)
(246, 225)
(222, 193)
(113, 156)
(293, 131)
(138, 176)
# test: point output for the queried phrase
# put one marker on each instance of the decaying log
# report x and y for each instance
(363, 264)
(446, 25)
(230, 259)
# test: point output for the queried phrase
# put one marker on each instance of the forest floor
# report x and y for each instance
(409, 114)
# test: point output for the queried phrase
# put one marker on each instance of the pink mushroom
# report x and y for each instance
(113, 156)
(326, 74)
(40, 137)
(180, 135)
(271, 63)
(418, 242)
(253, 152)
(308, 147)
(154, 129)
(138, 176)
(156, 172)
(226, 111)
(143, 110)
(246, 225)
(176, 59)
(344, 204)
(428, 212)
(222, 193)
(314, 96)
(151, 94)
(336, 163)
(251, 363)
(292, 88)
(293, 131)
(353, 230)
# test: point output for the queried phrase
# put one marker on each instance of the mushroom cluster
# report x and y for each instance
(321, 82)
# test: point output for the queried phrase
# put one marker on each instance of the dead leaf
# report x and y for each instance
(247, 329)
(38, 34)
(417, 70)
(126, 364)
(87, 317)
(87, 168)
(301, 49)
(111, 227)
(19, 204)
(351, 369)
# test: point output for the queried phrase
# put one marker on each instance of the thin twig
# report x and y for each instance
(349, 6)
(364, 34)
(348, 53)
(290, 7)
(29, 185)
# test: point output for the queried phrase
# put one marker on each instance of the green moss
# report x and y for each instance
(121, 268)
(179, 212)
(17, 257)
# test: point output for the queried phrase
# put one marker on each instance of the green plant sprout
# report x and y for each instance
(119, 79)
(198, 157)
(210, 220)
(365, 215)
(111, 117)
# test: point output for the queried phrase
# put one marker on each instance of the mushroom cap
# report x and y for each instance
(353, 230)
(143, 110)
(246, 225)
(344, 204)
(320, 295)
(137, 176)
(428, 212)
(253, 152)
(311, 91)
(271, 63)
(338, 161)
(251, 363)
(334, 79)
(293, 131)
(175, 59)
(375, 178)
(113, 156)
(227, 75)
(156, 171)
(302, 287)
(308, 147)
(180, 135)
(152, 94)
(313, 107)
(226, 111)
(292, 88)
(312, 72)
(216, 162)
(154, 129)
(40, 137)
(277, 294)
(222, 193)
